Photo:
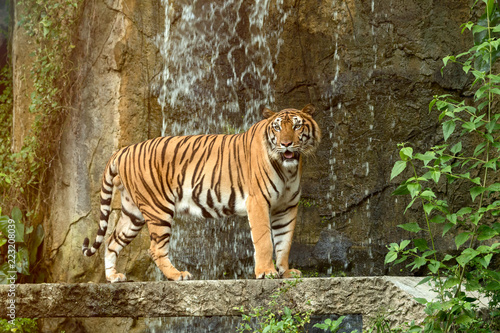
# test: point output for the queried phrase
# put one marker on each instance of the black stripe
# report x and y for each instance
(283, 233)
(275, 227)
(136, 221)
(105, 202)
(263, 195)
(285, 210)
(160, 223)
(232, 199)
(106, 191)
(104, 215)
(106, 182)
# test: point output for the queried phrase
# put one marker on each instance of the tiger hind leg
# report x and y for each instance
(160, 232)
(129, 225)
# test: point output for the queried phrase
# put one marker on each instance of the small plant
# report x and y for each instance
(18, 246)
(278, 316)
(307, 202)
(20, 325)
(331, 325)
(455, 276)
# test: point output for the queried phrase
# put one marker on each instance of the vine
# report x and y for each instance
(23, 174)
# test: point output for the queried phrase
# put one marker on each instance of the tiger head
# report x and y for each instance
(291, 133)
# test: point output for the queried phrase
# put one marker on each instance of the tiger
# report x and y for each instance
(256, 174)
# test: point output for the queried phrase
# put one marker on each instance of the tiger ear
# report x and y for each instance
(309, 109)
(268, 113)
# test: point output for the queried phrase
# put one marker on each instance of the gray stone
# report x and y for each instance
(367, 296)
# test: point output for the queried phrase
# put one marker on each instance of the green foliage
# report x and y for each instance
(19, 255)
(23, 174)
(475, 227)
(21, 325)
(308, 203)
(332, 325)
(279, 316)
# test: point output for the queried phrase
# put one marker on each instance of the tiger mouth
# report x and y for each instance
(289, 155)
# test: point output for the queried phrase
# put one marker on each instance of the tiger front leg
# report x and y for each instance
(160, 232)
(258, 217)
(283, 226)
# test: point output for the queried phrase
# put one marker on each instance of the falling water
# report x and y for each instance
(217, 76)
(218, 64)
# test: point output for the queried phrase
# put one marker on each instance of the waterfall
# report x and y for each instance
(217, 75)
(218, 64)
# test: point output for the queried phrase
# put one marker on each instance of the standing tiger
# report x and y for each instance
(256, 173)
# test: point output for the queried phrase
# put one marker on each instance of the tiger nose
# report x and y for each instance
(286, 144)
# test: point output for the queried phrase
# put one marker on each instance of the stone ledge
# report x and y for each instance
(367, 296)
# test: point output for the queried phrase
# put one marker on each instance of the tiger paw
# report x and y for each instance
(118, 277)
(291, 274)
(182, 276)
(267, 274)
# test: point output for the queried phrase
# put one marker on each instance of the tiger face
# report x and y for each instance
(291, 133)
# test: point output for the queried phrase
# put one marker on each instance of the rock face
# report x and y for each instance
(370, 67)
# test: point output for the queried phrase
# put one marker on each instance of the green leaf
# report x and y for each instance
(428, 208)
(448, 128)
(466, 256)
(431, 104)
(399, 167)
(461, 238)
(390, 257)
(456, 148)
(414, 189)
(19, 232)
(404, 244)
(438, 219)
(421, 244)
(421, 300)
(411, 227)
(2, 241)
(479, 149)
(406, 153)
(491, 164)
(424, 280)
(418, 262)
(38, 239)
(446, 59)
(492, 286)
(475, 191)
(435, 176)
(434, 266)
(447, 257)
(485, 233)
(4, 224)
(426, 158)
(489, 8)
(428, 194)
(463, 211)
(452, 218)
(16, 214)
(401, 190)
(485, 262)
(451, 282)
(494, 187)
